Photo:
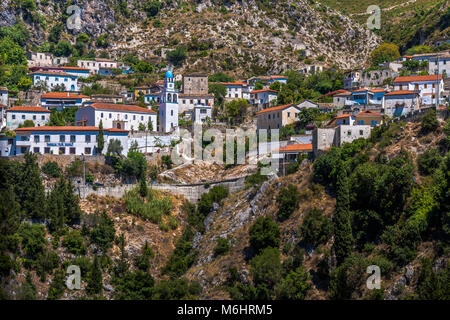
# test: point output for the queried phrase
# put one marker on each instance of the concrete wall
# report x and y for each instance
(350, 133)
(191, 192)
(322, 139)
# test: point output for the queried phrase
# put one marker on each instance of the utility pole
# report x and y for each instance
(84, 177)
(438, 84)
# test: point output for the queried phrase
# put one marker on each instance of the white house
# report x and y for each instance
(442, 63)
(342, 99)
(263, 98)
(66, 140)
(236, 90)
(168, 106)
(16, 116)
(4, 96)
(95, 65)
(427, 86)
(119, 116)
(201, 113)
(45, 59)
(52, 79)
(397, 103)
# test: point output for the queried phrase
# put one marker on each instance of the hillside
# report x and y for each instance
(406, 23)
(242, 37)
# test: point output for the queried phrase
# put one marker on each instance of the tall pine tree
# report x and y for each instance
(343, 237)
(95, 284)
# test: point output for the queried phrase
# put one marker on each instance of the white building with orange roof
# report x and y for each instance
(277, 117)
(427, 86)
(290, 154)
(343, 98)
(119, 116)
(16, 116)
(94, 66)
(236, 90)
(263, 98)
(61, 100)
(68, 140)
(400, 102)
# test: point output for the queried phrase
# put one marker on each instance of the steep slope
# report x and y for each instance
(249, 36)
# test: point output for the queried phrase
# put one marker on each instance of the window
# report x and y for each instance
(36, 150)
(47, 138)
(361, 132)
(171, 112)
(374, 122)
(101, 115)
(34, 117)
(62, 150)
(425, 85)
(289, 114)
(72, 150)
(36, 138)
(13, 116)
(23, 116)
(87, 150)
(134, 117)
(110, 115)
(47, 150)
(360, 122)
(142, 118)
(349, 133)
(62, 138)
(126, 116)
(87, 138)
(43, 117)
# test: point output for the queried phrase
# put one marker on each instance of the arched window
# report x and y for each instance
(169, 97)
(174, 98)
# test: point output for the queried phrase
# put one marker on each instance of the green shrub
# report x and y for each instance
(429, 121)
(152, 208)
(51, 169)
(429, 161)
(222, 247)
(287, 201)
(264, 233)
(73, 241)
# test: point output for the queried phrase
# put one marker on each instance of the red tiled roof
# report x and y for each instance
(26, 108)
(432, 77)
(62, 95)
(368, 113)
(336, 92)
(120, 107)
(342, 116)
(377, 90)
(277, 108)
(263, 90)
(74, 68)
(296, 148)
(400, 92)
(278, 77)
(237, 83)
(67, 128)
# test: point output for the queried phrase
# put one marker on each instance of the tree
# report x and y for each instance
(101, 139)
(266, 272)
(386, 52)
(141, 127)
(32, 195)
(177, 56)
(222, 247)
(264, 233)
(103, 232)
(236, 110)
(343, 238)
(429, 161)
(114, 148)
(150, 125)
(287, 201)
(27, 124)
(94, 281)
(294, 286)
(316, 228)
(429, 121)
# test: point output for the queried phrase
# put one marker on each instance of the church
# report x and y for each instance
(168, 107)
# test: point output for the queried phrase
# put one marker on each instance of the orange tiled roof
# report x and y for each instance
(263, 90)
(277, 108)
(296, 148)
(67, 128)
(368, 113)
(119, 107)
(26, 108)
(278, 77)
(74, 68)
(62, 95)
(432, 77)
(400, 92)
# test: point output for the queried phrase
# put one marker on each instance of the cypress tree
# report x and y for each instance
(101, 139)
(72, 207)
(95, 283)
(343, 238)
(32, 197)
